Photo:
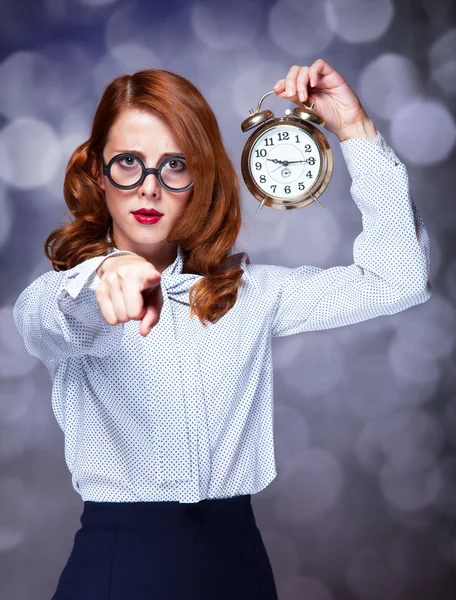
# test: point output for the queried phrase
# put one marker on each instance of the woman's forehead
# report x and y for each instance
(135, 126)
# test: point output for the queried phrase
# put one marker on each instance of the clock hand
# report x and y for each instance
(285, 163)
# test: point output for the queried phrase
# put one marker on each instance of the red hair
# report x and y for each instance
(209, 226)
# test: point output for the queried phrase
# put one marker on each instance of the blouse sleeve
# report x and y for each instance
(58, 315)
(391, 255)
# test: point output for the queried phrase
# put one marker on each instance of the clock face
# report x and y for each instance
(285, 161)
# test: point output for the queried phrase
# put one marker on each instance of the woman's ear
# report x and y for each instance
(96, 173)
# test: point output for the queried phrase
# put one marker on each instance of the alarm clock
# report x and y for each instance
(286, 162)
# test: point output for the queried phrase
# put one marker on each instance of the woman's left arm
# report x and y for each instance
(392, 253)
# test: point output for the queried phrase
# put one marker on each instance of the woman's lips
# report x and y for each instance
(147, 219)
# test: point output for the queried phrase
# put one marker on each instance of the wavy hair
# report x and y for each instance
(208, 228)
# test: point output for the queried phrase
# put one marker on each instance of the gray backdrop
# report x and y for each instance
(364, 503)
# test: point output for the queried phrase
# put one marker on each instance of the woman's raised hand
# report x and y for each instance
(129, 289)
(331, 95)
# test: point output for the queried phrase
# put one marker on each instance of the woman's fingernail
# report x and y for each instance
(301, 96)
(312, 83)
(290, 90)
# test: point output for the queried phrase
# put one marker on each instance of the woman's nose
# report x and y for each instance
(150, 185)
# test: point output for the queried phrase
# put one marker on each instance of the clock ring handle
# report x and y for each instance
(257, 117)
(257, 110)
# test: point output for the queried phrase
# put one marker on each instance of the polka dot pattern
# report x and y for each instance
(186, 413)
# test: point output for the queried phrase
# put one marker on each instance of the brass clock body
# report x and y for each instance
(286, 162)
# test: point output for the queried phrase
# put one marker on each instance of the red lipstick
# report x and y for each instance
(147, 216)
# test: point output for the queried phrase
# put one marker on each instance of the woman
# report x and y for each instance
(168, 422)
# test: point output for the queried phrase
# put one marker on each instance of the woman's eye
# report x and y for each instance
(174, 164)
(128, 161)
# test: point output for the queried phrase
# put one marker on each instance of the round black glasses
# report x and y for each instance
(127, 171)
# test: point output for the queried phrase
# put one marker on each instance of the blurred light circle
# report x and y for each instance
(161, 27)
(358, 21)
(227, 26)
(320, 369)
(423, 132)
(305, 587)
(291, 433)
(266, 238)
(15, 361)
(16, 504)
(135, 57)
(370, 391)
(312, 482)
(15, 399)
(286, 350)
(252, 81)
(313, 239)
(299, 33)
(411, 439)
(449, 420)
(445, 76)
(70, 63)
(97, 2)
(29, 153)
(442, 61)
(6, 220)
(219, 90)
(387, 83)
(10, 537)
(431, 336)
(409, 490)
(446, 499)
(77, 121)
(372, 573)
(410, 368)
(68, 144)
(450, 278)
(21, 435)
(32, 83)
(41, 85)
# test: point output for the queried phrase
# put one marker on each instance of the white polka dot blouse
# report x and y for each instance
(186, 413)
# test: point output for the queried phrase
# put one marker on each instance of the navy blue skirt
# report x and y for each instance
(168, 551)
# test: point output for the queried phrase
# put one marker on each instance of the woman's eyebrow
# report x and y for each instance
(143, 156)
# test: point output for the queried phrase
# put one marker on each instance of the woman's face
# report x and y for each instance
(147, 136)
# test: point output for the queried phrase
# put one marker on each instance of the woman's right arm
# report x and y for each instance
(58, 315)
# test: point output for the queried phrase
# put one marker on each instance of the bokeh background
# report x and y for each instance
(364, 503)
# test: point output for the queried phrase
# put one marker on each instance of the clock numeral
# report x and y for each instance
(268, 142)
(307, 148)
(311, 160)
(298, 141)
(273, 187)
(301, 185)
(258, 166)
(287, 189)
(283, 135)
(262, 178)
(261, 152)
(309, 174)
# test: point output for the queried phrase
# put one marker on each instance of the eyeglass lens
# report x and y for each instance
(127, 170)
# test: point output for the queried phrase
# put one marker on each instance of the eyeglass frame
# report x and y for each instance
(145, 172)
